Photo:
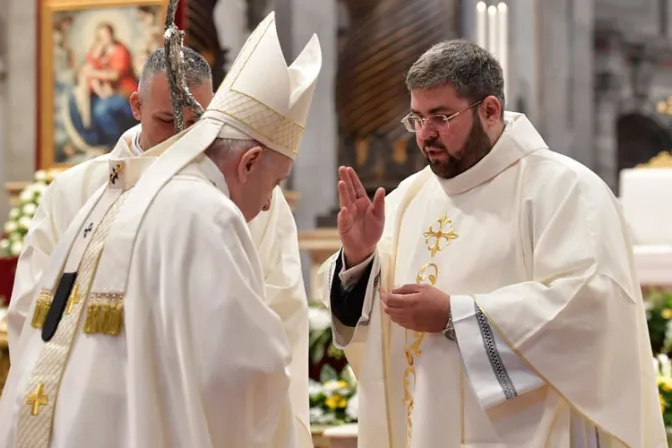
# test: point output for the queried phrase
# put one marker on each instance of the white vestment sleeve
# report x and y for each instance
(39, 242)
(233, 350)
(494, 370)
(275, 237)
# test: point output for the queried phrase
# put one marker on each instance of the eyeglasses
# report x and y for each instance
(440, 123)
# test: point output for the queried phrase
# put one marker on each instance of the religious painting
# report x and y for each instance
(91, 58)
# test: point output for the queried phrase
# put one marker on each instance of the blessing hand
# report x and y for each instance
(417, 307)
(360, 221)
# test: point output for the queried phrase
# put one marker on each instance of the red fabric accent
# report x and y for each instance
(7, 272)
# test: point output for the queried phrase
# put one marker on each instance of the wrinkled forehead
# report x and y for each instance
(437, 100)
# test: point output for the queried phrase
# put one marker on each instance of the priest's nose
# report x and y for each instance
(427, 132)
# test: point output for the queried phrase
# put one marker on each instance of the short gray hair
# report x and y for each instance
(224, 148)
(473, 71)
(196, 69)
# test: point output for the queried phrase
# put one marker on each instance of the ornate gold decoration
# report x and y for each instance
(662, 160)
(37, 399)
(428, 274)
(41, 309)
(114, 175)
(444, 232)
(73, 300)
(105, 314)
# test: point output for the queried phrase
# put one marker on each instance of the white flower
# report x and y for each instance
(15, 236)
(39, 187)
(10, 226)
(15, 249)
(24, 222)
(29, 209)
(40, 175)
(27, 195)
(4, 244)
(316, 414)
(353, 406)
(14, 213)
(319, 319)
(314, 388)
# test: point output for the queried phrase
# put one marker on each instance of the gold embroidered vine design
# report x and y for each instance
(428, 274)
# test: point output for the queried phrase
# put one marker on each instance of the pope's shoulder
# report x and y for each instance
(187, 197)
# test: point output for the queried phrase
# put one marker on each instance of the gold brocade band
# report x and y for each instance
(105, 314)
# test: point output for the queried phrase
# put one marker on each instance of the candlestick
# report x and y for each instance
(503, 28)
(481, 26)
(492, 31)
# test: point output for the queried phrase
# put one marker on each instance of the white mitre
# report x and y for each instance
(263, 99)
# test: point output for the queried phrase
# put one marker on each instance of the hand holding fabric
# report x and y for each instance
(417, 307)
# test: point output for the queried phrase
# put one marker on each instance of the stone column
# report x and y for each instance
(315, 168)
(3, 115)
(18, 147)
(566, 77)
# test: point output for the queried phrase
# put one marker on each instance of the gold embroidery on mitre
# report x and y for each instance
(433, 238)
(41, 308)
(427, 274)
(37, 399)
(105, 314)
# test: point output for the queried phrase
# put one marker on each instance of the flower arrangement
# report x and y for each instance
(20, 217)
(320, 342)
(659, 320)
(663, 368)
(333, 400)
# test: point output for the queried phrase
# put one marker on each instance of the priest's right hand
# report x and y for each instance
(360, 220)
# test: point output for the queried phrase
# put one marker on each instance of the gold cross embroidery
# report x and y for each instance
(114, 175)
(37, 399)
(73, 299)
(445, 232)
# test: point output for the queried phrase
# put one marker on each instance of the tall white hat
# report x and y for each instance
(262, 98)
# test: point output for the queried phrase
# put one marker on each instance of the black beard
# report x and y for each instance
(475, 148)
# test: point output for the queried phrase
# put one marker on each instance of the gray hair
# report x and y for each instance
(473, 71)
(222, 149)
(196, 69)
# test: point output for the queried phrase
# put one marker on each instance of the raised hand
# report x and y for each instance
(360, 221)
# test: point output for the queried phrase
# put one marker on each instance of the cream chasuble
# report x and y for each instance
(132, 362)
(552, 348)
(273, 232)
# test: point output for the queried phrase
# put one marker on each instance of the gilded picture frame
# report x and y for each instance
(91, 54)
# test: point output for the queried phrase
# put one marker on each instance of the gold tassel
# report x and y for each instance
(116, 321)
(105, 314)
(91, 317)
(41, 309)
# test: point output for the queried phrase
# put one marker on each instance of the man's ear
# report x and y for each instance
(249, 162)
(136, 104)
(492, 110)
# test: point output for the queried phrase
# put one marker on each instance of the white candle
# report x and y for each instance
(492, 31)
(503, 28)
(481, 26)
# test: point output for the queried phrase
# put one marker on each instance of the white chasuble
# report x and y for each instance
(197, 360)
(547, 310)
(273, 232)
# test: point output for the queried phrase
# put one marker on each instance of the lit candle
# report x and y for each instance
(481, 26)
(503, 28)
(492, 31)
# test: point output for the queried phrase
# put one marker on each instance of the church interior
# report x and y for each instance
(593, 76)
